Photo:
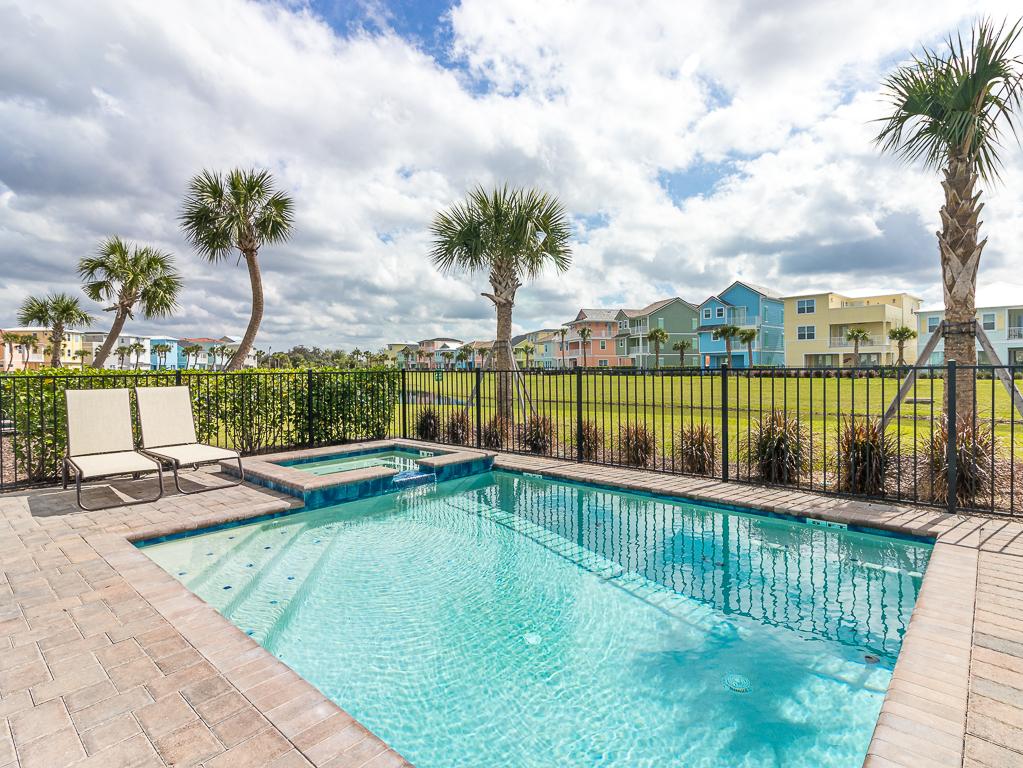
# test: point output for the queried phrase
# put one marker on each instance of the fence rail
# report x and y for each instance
(818, 429)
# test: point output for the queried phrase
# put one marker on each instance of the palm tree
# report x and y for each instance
(528, 349)
(657, 336)
(136, 348)
(584, 335)
(243, 211)
(192, 352)
(58, 312)
(463, 355)
(948, 112)
(857, 336)
(162, 350)
(81, 354)
(727, 333)
(900, 336)
(122, 353)
(10, 340)
(562, 332)
(512, 235)
(127, 276)
(26, 345)
(447, 355)
(682, 346)
(747, 336)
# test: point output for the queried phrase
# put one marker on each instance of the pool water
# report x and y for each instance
(506, 620)
(401, 460)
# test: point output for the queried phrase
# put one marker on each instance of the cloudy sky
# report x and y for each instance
(693, 143)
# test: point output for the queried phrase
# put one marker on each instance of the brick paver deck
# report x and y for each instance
(106, 660)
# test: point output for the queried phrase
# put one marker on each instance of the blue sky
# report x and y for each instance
(692, 143)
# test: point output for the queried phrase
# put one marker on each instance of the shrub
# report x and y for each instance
(537, 434)
(696, 450)
(976, 452)
(494, 434)
(636, 445)
(458, 429)
(592, 446)
(866, 453)
(428, 424)
(775, 449)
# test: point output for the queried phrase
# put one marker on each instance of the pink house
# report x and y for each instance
(599, 351)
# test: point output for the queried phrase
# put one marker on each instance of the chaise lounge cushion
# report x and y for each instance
(119, 463)
(193, 453)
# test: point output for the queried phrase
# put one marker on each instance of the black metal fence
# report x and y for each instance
(827, 430)
(250, 411)
(819, 429)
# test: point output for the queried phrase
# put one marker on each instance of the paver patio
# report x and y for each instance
(106, 660)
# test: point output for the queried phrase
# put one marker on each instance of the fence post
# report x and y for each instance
(404, 400)
(724, 422)
(479, 407)
(951, 447)
(177, 377)
(309, 412)
(578, 414)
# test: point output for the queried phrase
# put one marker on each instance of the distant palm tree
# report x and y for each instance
(137, 348)
(948, 111)
(81, 354)
(657, 336)
(747, 336)
(243, 211)
(512, 235)
(129, 277)
(447, 355)
(406, 355)
(122, 353)
(463, 355)
(727, 333)
(191, 353)
(58, 312)
(27, 345)
(584, 335)
(857, 336)
(528, 349)
(162, 350)
(10, 340)
(900, 336)
(562, 332)
(682, 346)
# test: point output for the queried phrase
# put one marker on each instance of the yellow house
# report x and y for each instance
(816, 325)
(37, 354)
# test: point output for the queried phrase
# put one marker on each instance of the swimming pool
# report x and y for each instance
(401, 459)
(502, 619)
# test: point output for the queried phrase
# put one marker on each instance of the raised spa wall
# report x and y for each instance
(349, 485)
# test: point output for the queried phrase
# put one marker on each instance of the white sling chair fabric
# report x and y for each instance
(100, 441)
(168, 429)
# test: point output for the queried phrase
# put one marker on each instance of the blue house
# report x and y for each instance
(744, 305)
(171, 359)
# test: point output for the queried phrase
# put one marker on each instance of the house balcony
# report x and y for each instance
(1014, 332)
(870, 341)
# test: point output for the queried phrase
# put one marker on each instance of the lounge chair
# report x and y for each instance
(168, 434)
(100, 442)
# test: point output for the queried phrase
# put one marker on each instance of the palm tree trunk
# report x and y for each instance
(56, 344)
(255, 318)
(856, 353)
(749, 351)
(960, 256)
(657, 355)
(728, 351)
(504, 361)
(108, 343)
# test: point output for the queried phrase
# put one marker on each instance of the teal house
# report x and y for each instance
(744, 305)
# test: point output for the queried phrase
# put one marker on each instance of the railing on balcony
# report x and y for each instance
(870, 341)
(1015, 332)
(738, 316)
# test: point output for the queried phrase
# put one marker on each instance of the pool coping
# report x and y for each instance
(964, 644)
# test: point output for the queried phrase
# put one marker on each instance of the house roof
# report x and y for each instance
(201, 340)
(595, 316)
(762, 290)
(478, 344)
(651, 308)
(718, 299)
(440, 338)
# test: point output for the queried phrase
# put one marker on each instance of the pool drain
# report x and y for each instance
(738, 683)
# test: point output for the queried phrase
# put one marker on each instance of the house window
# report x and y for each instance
(602, 363)
(706, 314)
(988, 321)
(719, 312)
(806, 306)
(932, 324)
(806, 332)
(603, 344)
(660, 322)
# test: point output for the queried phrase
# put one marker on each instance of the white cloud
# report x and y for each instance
(108, 109)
